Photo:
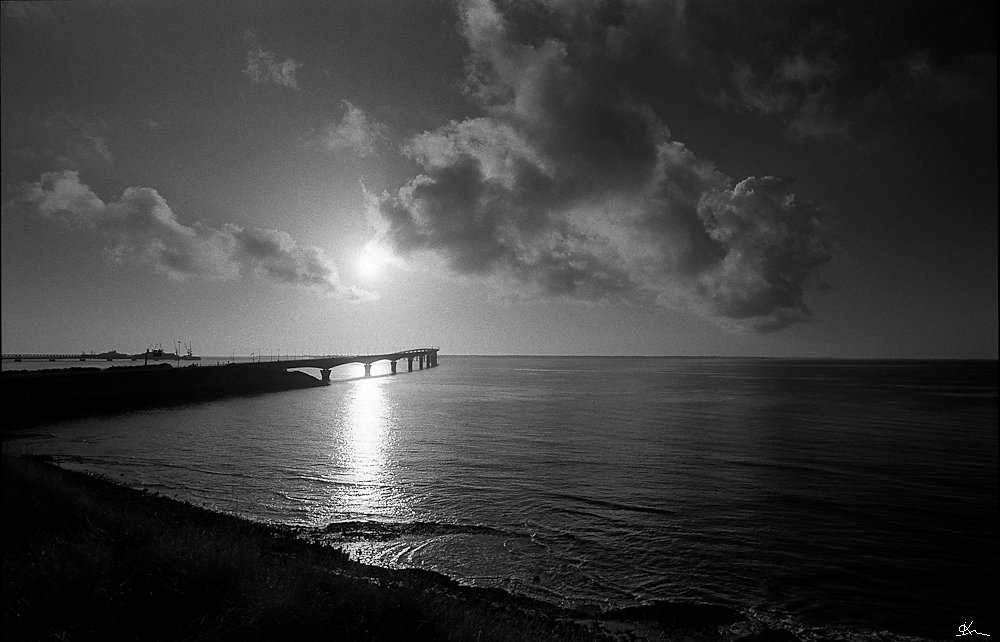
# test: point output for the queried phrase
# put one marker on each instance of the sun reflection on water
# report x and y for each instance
(367, 440)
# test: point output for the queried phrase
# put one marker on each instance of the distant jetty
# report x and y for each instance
(110, 355)
(151, 354)
(32, 397)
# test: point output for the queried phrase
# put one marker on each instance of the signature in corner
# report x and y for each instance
(966, 629)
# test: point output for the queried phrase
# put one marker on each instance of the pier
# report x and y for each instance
(415, 358)
(422, 357)
(36, 396)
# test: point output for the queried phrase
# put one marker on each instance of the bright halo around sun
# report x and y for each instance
(371, 260)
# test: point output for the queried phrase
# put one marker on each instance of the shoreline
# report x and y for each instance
(88, 558)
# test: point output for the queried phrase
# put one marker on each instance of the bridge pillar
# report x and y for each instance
(409, 364)
(393, 365)
(368, 369)
(325, 374)
(420, 360)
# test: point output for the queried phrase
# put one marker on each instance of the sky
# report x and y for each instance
(676, 177)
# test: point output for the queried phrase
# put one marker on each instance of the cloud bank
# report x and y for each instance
(570, 186)
(144, 230)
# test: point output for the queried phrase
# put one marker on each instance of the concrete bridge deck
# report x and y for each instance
(425, 357)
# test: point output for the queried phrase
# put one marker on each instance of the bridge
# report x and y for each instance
(425, 357)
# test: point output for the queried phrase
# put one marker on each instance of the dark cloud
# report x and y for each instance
(818, 67)
(571, 186)
(772, 245)
(144, 230)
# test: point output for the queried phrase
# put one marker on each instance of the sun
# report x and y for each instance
(369, 266)
(370, 261)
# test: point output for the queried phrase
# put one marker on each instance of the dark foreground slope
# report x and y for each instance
(31, 397)
(87, 559)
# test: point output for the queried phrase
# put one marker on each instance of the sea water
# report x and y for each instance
(836, 499)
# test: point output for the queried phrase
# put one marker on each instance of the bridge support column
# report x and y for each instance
(393, 365)
(368, 369)
(325, 374)
(409, 364)
(420, 360)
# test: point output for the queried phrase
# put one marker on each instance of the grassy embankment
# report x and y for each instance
(86, 559)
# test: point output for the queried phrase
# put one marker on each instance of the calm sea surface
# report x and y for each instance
(834, 498)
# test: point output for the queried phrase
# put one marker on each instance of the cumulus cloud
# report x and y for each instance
(354, 132)
(569, 186)
(772, 244)
(142, 229)
(263, 66)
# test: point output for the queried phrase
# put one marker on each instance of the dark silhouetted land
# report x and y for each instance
(32, 397)
(87, 559)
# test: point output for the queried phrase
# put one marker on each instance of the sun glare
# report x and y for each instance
(368, 265)
(370, 261)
